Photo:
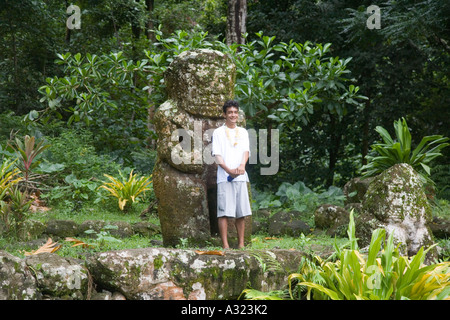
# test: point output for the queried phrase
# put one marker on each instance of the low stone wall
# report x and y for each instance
(145, 274)
(34, 229)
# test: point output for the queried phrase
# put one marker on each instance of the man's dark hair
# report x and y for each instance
(228, 104)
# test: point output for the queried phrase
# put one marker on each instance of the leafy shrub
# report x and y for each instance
(28, 152)
(400, 151)
(444, 245)
(15, 211)
(381, 275)
(441, 208)
(441, 177)
(71, 168)
(299, 197)
(144, 160)
(72, 152)
(74, 189)
(10, 123)
(126, 191)
(8, 176)
(13, 204)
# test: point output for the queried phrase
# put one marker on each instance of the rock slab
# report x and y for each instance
(145, 274)
(176, 274)
(395, 200)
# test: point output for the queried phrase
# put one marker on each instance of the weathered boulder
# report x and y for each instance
(62, 228)
(94, 225)
(287, 223)
(182, 205)
(122, 229)
(162, 273)
(59, 277)
(148, 273)
(57, 229)
(355, 189)
(332, 218)
(396, 201)
(200, 81)
(356, 207)
(31, 229)
(440, 228)
(184, 176)
(146, 229)
(16, 279)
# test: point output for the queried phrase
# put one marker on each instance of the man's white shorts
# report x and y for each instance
(233, 200)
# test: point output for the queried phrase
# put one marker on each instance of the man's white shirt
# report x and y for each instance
(231, 147)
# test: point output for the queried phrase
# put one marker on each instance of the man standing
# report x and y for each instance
(231, 149)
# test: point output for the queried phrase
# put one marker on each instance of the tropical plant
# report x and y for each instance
(103, 236)
(376, 277)
(400, 151)
(299, 197)
(267, 261)
(127, 191)
(80, 189)
(8, 176)
(253, 294)
(288, 80)
(15, 211)
(27, 152)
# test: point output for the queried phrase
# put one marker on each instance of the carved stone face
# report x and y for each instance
(200, 81)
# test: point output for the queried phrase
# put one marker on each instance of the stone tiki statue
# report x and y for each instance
(184, 178)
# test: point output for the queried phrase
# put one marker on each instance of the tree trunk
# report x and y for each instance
(365, 133)
(150, 26)
(333, 149)
(67, 29)
(236, 25)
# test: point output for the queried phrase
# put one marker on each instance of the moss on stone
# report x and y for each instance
(396, 201)
(158, 262)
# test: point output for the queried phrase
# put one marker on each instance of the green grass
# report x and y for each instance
(99, 242)
(66, 249)
(312, 242)
(106, 212)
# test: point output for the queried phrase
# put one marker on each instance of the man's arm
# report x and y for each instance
(221, 163)
(241, 168)
(233, 172)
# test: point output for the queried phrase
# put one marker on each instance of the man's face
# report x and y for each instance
(232, 115)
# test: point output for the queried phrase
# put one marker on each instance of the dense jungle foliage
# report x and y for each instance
(313, 69)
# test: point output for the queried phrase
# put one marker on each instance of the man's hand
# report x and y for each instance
(233, 172)
(241, 169)
(237, 172)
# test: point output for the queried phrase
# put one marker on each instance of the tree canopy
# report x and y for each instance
(311, 68)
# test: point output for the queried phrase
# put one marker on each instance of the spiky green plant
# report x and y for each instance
(27, 152)
(391, 151)
(127, 191)
(379, 276)
(8, 176)
(15, 212)
(253, 294)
